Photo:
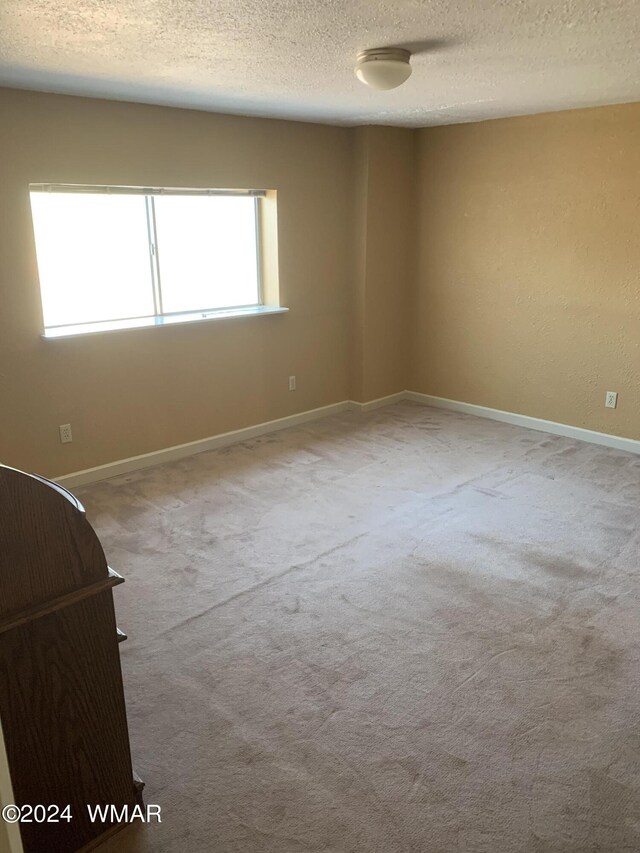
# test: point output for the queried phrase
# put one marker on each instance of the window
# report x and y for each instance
(116, 257)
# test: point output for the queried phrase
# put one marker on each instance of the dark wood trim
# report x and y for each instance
(61, 696)
(31, 613)
(109, 833)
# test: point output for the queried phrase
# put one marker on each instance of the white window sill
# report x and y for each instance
(166, 320)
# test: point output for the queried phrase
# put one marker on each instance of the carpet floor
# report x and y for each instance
(407, 630)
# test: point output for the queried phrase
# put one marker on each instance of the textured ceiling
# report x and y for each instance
(474, 59)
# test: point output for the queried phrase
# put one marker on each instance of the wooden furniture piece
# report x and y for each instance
(61, 697)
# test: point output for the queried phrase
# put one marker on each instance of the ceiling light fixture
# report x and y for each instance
(383, 67)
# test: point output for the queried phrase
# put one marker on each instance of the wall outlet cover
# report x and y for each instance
(65, 433)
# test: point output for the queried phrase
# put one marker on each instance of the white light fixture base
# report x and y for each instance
(383, 67)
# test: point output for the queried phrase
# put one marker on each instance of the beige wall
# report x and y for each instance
(528, 287)
(131, 392)
(384, 210)
(495, 263)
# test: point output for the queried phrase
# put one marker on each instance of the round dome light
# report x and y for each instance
(383, 67)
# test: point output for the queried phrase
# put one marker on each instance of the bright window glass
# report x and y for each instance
(206, 252)
(93, 257)
(113, 256)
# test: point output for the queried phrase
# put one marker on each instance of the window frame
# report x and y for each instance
(160, 317)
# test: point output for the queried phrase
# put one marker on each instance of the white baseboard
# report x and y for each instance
(618, 442)
(180, 451)
(380, 402)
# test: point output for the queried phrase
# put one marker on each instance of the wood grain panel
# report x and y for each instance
(47, 546)
(63, 711)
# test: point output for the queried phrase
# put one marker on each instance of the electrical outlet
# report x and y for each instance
(292, 383)
(611, 400)
(65, 433)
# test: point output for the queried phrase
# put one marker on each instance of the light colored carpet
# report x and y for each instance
(409, 630)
